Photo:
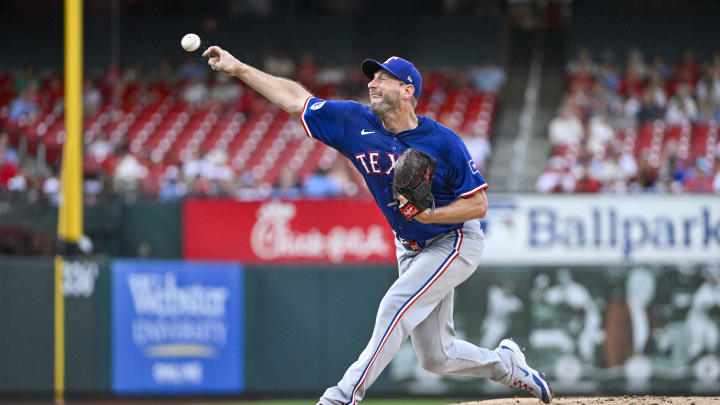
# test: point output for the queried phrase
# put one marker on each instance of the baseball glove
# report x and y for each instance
(414, 172)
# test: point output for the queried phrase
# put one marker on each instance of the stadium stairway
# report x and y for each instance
(503, 173)
(517, 68)
(549, 98)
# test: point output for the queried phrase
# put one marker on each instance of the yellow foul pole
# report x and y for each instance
(70, 219)
(70, 215)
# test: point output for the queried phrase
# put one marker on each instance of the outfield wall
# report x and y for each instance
(520, 229)
(219, 328)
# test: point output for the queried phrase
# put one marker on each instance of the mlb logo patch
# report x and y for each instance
(473, 168)
(318, 105)
(409, 211)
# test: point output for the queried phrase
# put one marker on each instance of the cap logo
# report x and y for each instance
(391, 58)
(410, 79)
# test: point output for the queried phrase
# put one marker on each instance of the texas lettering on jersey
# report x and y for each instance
(370, 161)
(359, 135)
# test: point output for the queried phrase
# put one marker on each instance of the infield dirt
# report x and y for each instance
(621, 400)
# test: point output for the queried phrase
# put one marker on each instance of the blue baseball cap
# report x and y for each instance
(398, 67)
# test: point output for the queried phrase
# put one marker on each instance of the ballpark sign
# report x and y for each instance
(519, 229)
(177, 327)
(602, 229)
(287, 231)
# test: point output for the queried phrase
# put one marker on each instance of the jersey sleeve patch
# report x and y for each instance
(473, 168)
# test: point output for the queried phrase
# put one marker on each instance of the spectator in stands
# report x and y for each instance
(649, 109)
(191, 69)
(716, 180)
(479, 148)
(708, 93)
(246, 188)
(628, 165)
(8, 168)
(320, 184)
(52, 95)
(10, 153)
(583, 64)
(682, 106)
(25, 78)
(193, 166)
(218, 173)
(631, 84)
(287, 185)
(487, 77)
(93, 187)
(225, 90)
(330, 75)
(171, 185)
(647, 174)
(307, 70)
(555, 178)
(688, 69)
(92, 97)
(578, 99)
(656, 87)
(198, 187)
(659, 66)
(340, 171)
(587, 182)
(128, 174)
(636, 64)
(195, 93)
(354, 86)
(51, 189)
(609, 72)
(279, 63)
(566, 129)
(100, 148)
(600, 133)
(581, 71)
(698, 179)
(612, 174)
(18, 185)
(24, 105)
(602, 101)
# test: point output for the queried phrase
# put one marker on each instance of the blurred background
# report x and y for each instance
(218, 257)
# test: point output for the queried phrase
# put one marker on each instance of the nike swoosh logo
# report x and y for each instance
(524, 371)
(364, 132)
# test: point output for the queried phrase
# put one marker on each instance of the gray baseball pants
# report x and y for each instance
(419, 304)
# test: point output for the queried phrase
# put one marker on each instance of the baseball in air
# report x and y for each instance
(190, 42)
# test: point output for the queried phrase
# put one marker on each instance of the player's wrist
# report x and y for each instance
(428, 216)
(239, 69)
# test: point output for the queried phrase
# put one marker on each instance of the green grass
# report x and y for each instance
(436, 401)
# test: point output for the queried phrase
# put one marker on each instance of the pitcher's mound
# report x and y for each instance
(622, 400)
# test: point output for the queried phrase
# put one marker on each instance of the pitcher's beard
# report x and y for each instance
(383, 107)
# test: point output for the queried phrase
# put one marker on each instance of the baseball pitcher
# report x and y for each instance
(432, 195)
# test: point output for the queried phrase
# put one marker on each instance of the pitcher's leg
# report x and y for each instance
(440, 352)
(407, 303)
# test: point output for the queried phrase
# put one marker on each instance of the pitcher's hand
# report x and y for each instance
(222, 61)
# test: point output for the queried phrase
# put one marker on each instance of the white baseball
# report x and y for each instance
(190, 42)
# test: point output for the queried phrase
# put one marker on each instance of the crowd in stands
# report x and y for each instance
(641, 125)
(173, 132)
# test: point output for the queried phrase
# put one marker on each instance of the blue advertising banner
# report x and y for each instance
(177, 327)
